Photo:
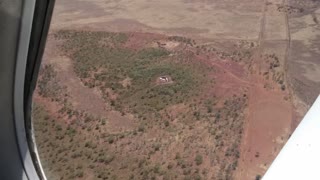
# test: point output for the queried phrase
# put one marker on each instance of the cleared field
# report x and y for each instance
(303, 63)
(210, 19)
(275, 28)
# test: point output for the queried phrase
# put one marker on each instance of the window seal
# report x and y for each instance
(34, 25)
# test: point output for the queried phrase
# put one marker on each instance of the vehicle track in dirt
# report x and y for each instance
(256, 138)
(257, 55)
(286, 63)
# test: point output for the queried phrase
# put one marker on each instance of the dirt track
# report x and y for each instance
(269, 118)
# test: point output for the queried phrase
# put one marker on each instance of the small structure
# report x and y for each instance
(164, 79)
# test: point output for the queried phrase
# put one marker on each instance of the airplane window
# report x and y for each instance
(173, 89)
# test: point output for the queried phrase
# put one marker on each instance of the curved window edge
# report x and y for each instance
(34, 25)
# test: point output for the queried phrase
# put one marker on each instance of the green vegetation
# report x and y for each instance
(58, 145)
(276, 70)
(101, 61)
(182, 39)
(47, 83)
(198, 159)
(169, 119)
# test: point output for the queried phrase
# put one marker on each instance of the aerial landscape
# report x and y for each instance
(174, 89)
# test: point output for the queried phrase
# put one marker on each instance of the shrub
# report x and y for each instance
(58, 128)
(170, 166)
(80, 174)
(156, 169)
(157, 146)
(141, 128)
(197, 115)
(198, 159)
(178, 156)
(110, 139)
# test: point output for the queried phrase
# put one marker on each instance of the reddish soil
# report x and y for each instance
(83, 98)
(267, 128)
(267, 117)
(138, 40)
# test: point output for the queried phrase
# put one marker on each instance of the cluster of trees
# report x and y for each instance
(102, 61)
